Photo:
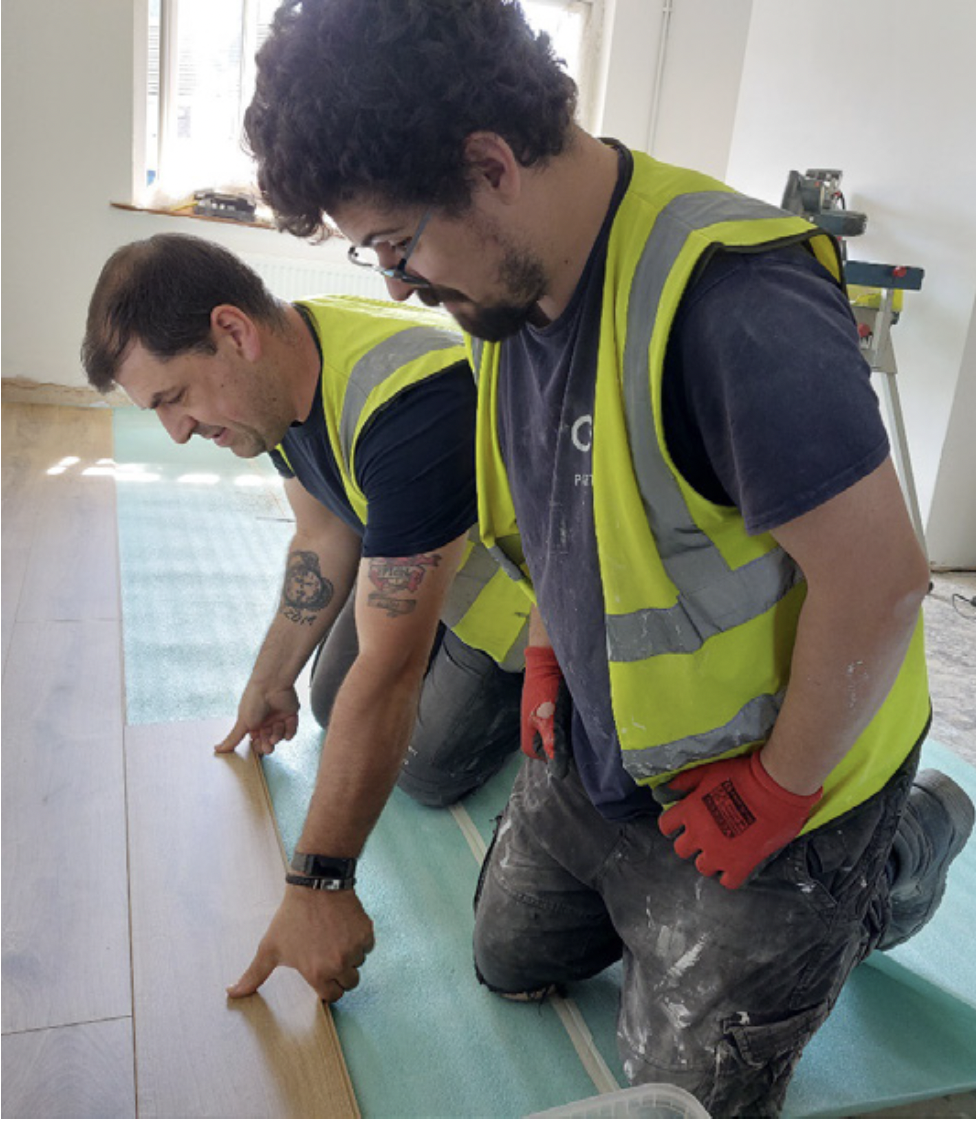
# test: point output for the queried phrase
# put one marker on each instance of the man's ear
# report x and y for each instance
(492, 166)
(234, 327)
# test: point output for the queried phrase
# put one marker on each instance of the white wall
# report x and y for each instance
(701, 80)
(880, 88)
(883, 89)
(627, 75)
(951, 527)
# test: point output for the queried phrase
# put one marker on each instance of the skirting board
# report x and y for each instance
(28, 392)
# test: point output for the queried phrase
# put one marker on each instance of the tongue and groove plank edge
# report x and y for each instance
(206, 874)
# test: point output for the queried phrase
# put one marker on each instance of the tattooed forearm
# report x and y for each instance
(306, 591)
(393, 577)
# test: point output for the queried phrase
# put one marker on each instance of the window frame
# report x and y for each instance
(592, 35)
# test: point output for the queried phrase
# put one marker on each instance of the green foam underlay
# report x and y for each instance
(201, 567)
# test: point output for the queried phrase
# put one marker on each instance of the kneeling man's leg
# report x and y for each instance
(723, 989)
(537, 922)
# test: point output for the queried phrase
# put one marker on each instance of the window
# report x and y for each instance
(200, 78)
(201, 72)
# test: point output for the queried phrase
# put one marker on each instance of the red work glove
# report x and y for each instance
(734, 815)
(544, 711)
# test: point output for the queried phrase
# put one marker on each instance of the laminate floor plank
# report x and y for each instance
(65, 899)
(72, 570)
(74, 1071)
(206, 874)
(27, 442)
(15, 552)
(39, 438)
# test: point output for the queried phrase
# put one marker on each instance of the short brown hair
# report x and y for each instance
(160, 293)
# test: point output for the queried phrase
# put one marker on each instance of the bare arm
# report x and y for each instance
(866, 579)
(537, 634)
(319, 572)
(326, 935)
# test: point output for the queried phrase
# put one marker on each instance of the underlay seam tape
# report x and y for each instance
(566, 1009)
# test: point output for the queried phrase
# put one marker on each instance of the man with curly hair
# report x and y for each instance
(681, 456)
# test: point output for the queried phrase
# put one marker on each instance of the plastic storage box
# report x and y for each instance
(649, 1100)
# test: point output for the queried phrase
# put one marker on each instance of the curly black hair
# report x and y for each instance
(374, 99)
(160, 293)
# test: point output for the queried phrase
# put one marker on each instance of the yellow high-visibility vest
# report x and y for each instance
(700, 616)
(372, 351)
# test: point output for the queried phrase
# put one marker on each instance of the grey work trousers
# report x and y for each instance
(468, 721)
(721, 989)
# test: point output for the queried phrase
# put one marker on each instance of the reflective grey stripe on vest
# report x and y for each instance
(754, 722)
(684, 628)
(506, 563)
(470, 580)
(377, 365)
(515, 659)
(478, 346)
(712, 597)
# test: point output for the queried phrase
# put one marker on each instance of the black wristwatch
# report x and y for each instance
(329, 874)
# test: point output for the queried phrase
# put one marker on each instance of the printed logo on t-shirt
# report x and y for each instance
(582, 432)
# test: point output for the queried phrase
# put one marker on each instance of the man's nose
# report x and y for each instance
(398, 290)
(179, 425)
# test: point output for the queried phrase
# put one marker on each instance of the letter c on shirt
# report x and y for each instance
(581, 433)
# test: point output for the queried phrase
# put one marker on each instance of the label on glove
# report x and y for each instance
(732, 815)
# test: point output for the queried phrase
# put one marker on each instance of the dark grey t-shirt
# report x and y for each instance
(767, 406)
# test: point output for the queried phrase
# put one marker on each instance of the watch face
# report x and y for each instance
(314, 865)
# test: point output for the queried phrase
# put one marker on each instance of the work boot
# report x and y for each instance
(937, 822)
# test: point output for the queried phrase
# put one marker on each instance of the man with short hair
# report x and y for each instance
(679, 450)
(368, 410)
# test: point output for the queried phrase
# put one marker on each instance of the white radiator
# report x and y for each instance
(292, 277)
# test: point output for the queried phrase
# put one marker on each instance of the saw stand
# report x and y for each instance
(876, 294)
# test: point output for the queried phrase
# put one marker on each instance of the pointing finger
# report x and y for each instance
(261, 967)
(233, 738)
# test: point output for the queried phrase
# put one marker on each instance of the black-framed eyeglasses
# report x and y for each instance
(396, 272)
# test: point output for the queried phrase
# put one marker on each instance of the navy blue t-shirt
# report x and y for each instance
(414, 462)
(767, 406)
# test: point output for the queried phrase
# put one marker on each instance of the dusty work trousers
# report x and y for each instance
(468, 720)
(721, 989)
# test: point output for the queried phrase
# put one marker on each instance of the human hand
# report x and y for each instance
(545, 711)
(734, 815)
(266, 714)
(324, 935)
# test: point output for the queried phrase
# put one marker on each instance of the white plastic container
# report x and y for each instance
(649, 1100)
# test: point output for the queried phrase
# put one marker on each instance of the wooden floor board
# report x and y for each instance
(74, 1071)
(72, 568)
(65, 905)
(26, 446)
(206, 872)
(72, 573)
(68, 994)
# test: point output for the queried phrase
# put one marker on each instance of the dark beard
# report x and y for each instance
(497, 322)
(523, 278)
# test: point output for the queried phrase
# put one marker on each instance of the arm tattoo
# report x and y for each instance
(393, 576)
(306, 590)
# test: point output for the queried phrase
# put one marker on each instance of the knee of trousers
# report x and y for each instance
(502, 965)
(436, 789)
(508, 951)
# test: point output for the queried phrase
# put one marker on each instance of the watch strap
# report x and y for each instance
(323, 884)
(314, 870)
